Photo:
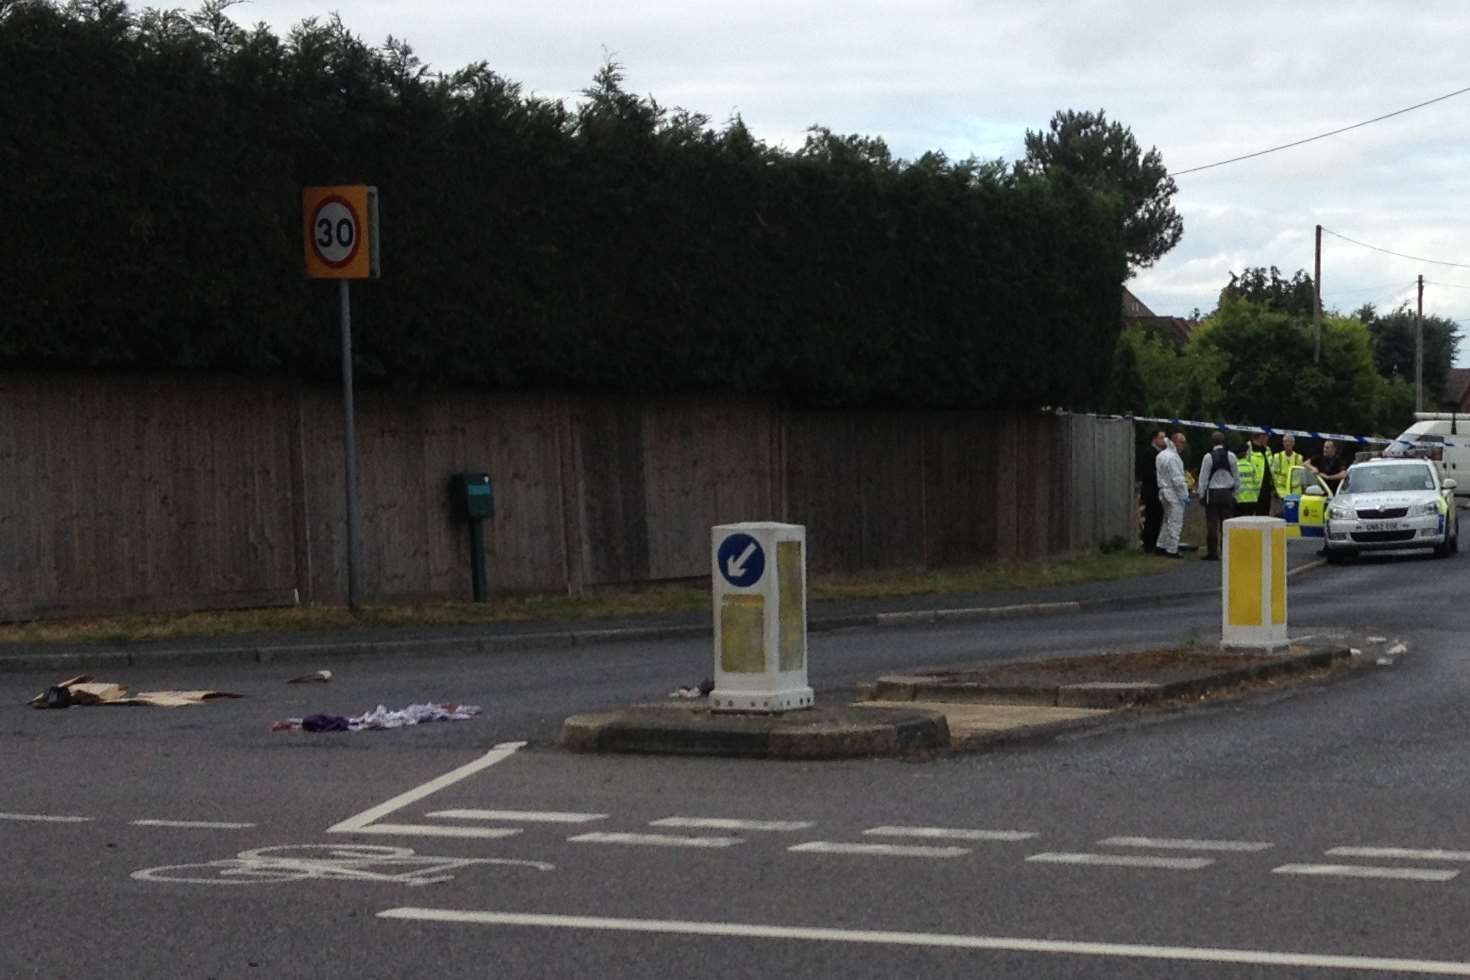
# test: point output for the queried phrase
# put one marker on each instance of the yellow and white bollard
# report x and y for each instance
(760, 617)
(1253, 588)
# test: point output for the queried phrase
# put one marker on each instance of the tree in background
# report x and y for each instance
(1393, 347)
(1265, 287)
(1106, 157)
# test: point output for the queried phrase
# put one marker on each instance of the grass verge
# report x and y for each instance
(602, 604)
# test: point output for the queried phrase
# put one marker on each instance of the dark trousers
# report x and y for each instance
(1153, 519)
(1219, 507)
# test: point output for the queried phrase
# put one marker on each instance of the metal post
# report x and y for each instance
(1317, 303)
(349, 448)
(1419, 351)
(477, 559)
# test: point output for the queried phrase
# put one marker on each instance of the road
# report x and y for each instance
(1315, 830)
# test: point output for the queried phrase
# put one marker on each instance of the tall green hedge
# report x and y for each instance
(151, 168)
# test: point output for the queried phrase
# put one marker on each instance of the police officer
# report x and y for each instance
(1281, 467)
(1257, 486)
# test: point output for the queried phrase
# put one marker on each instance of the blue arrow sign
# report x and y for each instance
(741, 560)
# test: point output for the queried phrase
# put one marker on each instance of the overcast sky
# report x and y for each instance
(1202, 82)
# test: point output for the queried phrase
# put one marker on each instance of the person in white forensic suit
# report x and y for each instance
(1174, 495)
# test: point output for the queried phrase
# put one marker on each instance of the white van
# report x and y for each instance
(1443, 437)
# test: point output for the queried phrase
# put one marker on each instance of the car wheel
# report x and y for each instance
(1444, 549)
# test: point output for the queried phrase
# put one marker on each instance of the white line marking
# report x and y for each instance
(1184, 844)
(880, 850)
(1399, 852)
(721, 823)
(1122, 860)
(1248, 957)
(1366, 871)
(42, 818)
(950, 833)
(356, 824)
(434, 830)
(525, 816)
(654, 840)
(195, 824)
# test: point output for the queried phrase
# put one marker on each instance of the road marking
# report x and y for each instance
(1007, 944)
(950, 833)
(302, 862)
(1399, 852)
(433, 830)
(1122, 860)
(42, 818)
(879, 850)
(1366, 871)
(1185, 844)
(525, 816)
(357, 824)
(654, 840)
(194, 824)
(721, 823)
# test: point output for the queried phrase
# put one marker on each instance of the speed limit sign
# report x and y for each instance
(341, 232)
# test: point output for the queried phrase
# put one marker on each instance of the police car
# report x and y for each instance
(1390, 504)
(1305, 507)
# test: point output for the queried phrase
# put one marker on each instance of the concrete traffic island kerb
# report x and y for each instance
(1108, 681)
(819, 732)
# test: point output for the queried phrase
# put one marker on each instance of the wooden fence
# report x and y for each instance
(132, 493)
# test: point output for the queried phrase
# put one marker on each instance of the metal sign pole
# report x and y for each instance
(349, 447)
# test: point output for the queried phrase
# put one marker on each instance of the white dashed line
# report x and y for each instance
(1366, 871)
(950, 833)
(722, 823)
(1122, 860)
(524, 816)
(192, 824)
(1400, 852)
(1185, 844)
(934, 940)
(654, 840)
(433, 830)
(879, 850)
(42, 818)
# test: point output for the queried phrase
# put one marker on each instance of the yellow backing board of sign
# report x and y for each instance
(340, 225)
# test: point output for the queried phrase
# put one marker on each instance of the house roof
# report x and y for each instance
(1137, 314)
(1456, 383)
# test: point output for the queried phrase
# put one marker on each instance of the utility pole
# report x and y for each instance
(1317, 303)
(1419, 351)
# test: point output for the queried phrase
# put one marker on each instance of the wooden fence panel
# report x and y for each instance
(164, 492)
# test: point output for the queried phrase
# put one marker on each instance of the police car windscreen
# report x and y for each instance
(1376, 479)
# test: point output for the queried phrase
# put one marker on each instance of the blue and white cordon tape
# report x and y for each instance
(1299, 433)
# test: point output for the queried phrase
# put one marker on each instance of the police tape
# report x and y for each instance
(1298, 433)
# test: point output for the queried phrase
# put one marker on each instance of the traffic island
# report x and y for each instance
(820, 732)
(1106, 681)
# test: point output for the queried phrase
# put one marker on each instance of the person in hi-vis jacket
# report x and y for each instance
(1174, 495)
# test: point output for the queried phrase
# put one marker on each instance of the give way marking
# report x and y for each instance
(366, 822)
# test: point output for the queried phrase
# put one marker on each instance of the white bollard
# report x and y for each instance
(1253, 583)
(760, 617)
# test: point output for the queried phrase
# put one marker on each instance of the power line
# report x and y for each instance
(1320, 136)
(1371, 289)
(1401, 255)
(1450, 285)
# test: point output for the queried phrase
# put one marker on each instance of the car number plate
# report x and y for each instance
(1384, 526)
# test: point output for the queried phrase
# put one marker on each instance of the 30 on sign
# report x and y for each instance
(341, 231)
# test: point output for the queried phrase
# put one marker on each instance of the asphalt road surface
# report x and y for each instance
(1319, 830)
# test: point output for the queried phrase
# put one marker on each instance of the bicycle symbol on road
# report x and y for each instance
(325, 862)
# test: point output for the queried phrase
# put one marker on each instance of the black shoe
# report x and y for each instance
(1161, 553)
(1210, 558)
